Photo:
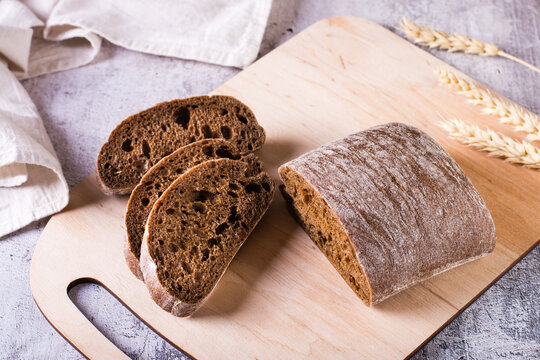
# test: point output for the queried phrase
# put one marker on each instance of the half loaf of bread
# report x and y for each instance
(157, 180)
(197, 226)
(389, 208)
(143, 139)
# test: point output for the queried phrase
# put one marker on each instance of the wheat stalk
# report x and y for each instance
(508, 113)
(424, 35)
(496, 144)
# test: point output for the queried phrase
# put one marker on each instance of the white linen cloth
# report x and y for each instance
(43, 36)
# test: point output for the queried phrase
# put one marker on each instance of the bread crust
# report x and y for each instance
(408, 209)
(132, 261)
(158, 293)
(110, 192)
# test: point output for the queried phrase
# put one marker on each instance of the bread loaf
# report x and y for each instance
(197, 226)
(157, 180)
(143, 139)
(389, 208)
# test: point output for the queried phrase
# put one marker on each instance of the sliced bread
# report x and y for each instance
(157, 180)
(197, 226)
(143, 139)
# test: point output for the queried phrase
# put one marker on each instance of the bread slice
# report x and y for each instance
(157, 180)
(143, 139)
(197, 226)
(389, 208)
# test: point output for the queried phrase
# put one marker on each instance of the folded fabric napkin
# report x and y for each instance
(43, 36)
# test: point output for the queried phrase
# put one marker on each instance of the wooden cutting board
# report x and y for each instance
(280, 298)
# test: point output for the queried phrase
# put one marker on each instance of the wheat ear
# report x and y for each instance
(496, 144)
(509, 113)
(424, 35)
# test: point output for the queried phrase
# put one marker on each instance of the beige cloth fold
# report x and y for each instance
(33, 185)
(43, 36)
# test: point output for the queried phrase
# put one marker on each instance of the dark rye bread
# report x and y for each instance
(143, 139)
(157, 180)
(389, 208)
(197, 226)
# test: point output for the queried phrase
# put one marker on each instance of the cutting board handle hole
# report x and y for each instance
(103, 309)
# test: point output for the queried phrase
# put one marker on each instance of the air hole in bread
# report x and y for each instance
(194, 250)
(208, 150)
(204, 195)
(126, 145)
(146, 149)
(181, 117)
(250, 147)
(199, 207)
(224, 152)
(170, 211)
(205, 254)
(221, 228)
(233, 186)
(107, 165)
(226, 132)
(224, 112)
(244, 225)
(213, 242)
(253, 188)
(266, 186)
(207, 132)
(353, 282)
(233, 214)
(232, 194)
(242, 119)
(179, 171)
(163, 127)
(145, 201)
(186, 267)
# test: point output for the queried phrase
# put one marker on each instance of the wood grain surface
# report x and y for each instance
(281, 298)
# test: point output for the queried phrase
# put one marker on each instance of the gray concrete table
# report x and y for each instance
(80, 107)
